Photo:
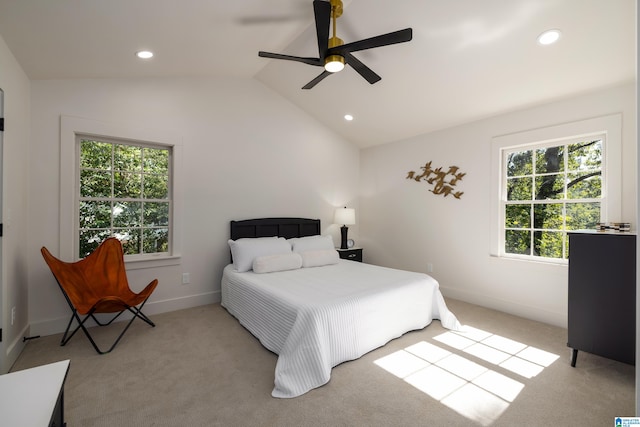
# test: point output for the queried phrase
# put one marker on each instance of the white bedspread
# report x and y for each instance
(316, 318)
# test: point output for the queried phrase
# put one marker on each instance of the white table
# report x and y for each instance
(33, 397)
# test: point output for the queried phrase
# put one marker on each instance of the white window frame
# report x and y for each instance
(611, 203)
(70, 129)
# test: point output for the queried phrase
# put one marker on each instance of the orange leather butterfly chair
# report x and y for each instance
(98, 284)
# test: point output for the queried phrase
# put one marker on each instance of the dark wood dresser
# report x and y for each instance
(602, 295)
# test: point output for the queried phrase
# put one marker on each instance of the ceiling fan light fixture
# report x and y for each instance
(334, 63)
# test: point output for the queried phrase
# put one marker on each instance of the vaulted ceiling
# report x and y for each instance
(469, 59)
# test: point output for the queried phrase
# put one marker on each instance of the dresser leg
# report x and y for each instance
(574, 356)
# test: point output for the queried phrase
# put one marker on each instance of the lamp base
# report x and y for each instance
(343, 231)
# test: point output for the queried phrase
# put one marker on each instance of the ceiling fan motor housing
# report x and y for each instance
(334, 42)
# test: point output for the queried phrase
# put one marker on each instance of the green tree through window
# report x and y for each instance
(124, 191)
(550, 190)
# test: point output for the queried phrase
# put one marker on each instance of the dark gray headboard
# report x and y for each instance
(268, 227)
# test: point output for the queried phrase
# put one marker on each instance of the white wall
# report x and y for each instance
(16, 87)
(246, 153)
(405, 226)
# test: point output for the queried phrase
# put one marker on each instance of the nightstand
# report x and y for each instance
(353, 254)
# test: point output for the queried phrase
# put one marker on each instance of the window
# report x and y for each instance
(549, 181)
(124, 191)
(123, 180)
(548, 190)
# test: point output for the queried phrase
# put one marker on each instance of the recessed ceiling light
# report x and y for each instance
(348, 117)
(144, 54)
(549, 37)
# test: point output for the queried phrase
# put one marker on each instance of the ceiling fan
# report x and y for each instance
(333, 53)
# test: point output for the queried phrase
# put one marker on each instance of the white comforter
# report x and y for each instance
(316, 318)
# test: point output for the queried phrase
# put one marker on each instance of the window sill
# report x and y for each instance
(138, 263)
(537, 260)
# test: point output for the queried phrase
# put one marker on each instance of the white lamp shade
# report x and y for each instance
(345, 216)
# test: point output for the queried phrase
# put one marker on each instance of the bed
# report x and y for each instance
(313, 309)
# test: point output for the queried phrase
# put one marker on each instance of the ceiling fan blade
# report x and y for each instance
(362, 69)
(310, 61)
(399, 36)
(317, 80)
(322, 11)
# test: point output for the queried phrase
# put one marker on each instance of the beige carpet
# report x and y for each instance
(199, 367)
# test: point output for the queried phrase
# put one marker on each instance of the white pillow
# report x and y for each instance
(319, 258)
(271, 263)
(245, 250)
(311, 243)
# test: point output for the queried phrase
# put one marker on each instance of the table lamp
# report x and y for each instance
(345, 216)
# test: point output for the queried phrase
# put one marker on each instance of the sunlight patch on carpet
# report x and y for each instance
(474, 390)
(401, 363)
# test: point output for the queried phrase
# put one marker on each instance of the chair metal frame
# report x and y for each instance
(135, 310)
(106, 303)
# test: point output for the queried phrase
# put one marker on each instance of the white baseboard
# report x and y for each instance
(510, 307)
(13, 350)
(57, 326)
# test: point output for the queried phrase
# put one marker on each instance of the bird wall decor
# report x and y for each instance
(443, 181)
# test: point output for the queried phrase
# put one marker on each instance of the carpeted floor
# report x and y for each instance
(199, 367)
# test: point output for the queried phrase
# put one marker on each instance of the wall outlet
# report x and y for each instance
(185, 278)
(13, 315)
(429, 268)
